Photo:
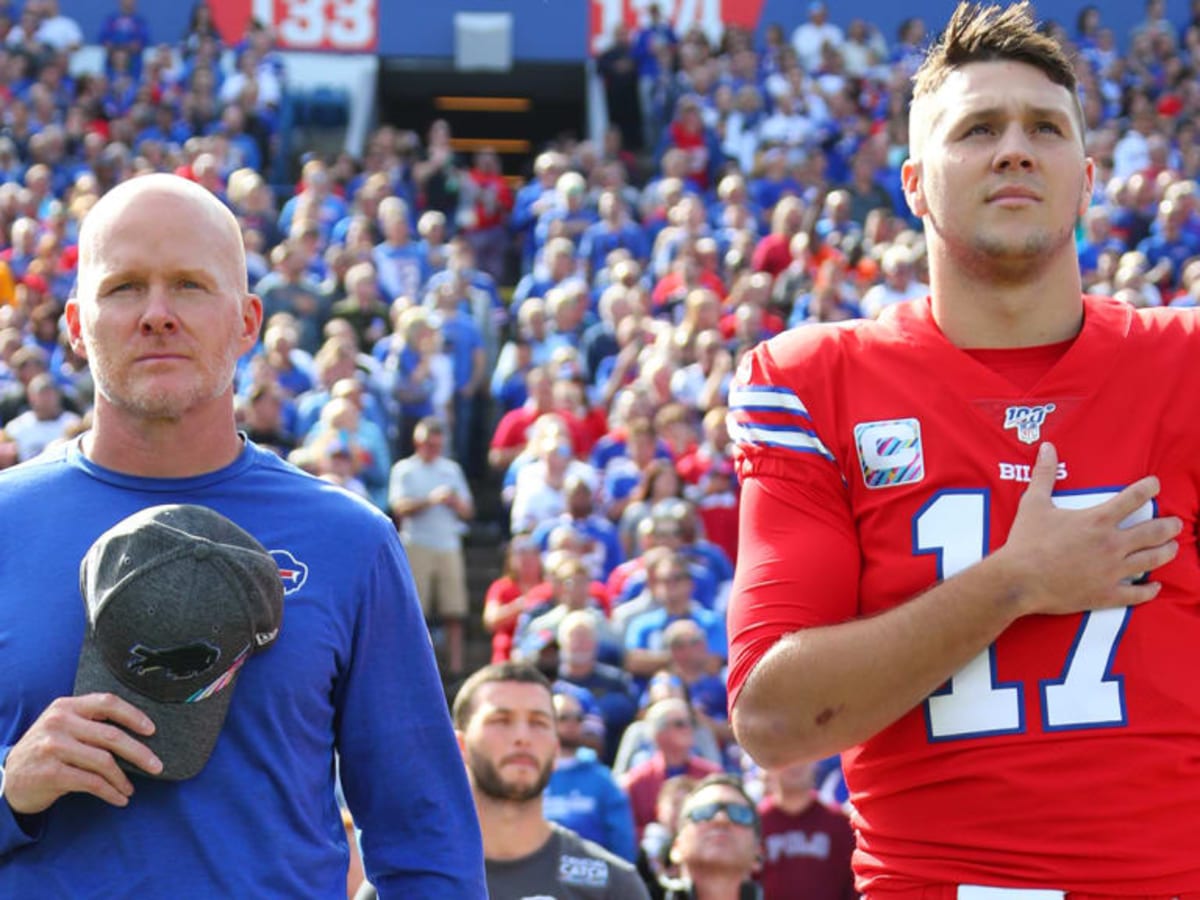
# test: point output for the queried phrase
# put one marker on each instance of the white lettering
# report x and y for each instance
(796, 843)
(1024, 473)
(580, 870)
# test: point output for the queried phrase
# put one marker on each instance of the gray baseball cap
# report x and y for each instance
(177, 599)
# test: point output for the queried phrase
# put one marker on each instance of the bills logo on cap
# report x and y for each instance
(185, 661)
(890, 452)
(292, 572)
(1028, 421)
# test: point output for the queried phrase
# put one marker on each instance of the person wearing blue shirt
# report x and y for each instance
(581, 515)
(649, 45)
(532, 200)
(315, 189)
(167, 128)
(463, 342)
(582, 794)
(556, 267)
(126, 30)
(614, 231)
(1096, 240)
(610, 688)
(402, 265)
(570, 215)
(327, 697)
(670, 583)
(1168, 246)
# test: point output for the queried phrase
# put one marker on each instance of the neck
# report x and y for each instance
(689, 669)
(1019, 308)
(714, 884)
(511, 830)
(795, 802)
(577, 670)
(675, 757)
(163, 448)
(677, 608)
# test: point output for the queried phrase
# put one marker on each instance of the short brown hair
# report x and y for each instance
(993, 33)
(464, 700)
(977, 33)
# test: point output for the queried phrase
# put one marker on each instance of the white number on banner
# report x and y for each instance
(682, 14)
(974, 703)
(301, 23)
(321, 24)
(353, 24)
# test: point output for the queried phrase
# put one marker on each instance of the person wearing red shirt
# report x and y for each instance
(484, 210)
(520, 588)
(687, 132)
(512, 431)
(773, 253)
(965, 563)
(806, 845)
(671, 723)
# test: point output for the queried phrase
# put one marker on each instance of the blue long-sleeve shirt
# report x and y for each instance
(352, 673)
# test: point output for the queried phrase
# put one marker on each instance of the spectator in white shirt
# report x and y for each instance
(44, 422)
(809, 37)
(899, 282)
(58, 31)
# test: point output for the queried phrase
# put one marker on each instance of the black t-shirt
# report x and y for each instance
(566, 867)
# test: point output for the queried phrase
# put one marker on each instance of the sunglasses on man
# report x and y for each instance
(737, 813)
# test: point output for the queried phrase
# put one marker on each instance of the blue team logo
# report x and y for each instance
(890, 452)
(1027, 421)
(292, 572)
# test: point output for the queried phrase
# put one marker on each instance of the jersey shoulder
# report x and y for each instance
(34, 477)
(1166, 322)
(786, 391)
(315, 499)
(813, 354)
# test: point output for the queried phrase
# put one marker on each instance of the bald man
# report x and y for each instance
(162, 314)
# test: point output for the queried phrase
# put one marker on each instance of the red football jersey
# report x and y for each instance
(878, 459)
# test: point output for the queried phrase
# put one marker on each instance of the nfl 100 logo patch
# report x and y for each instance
(1027, 421)
(890, 452)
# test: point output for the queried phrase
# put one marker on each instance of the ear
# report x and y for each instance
(74, 331)
(1089, 182)
(914, 191)
(252, 319)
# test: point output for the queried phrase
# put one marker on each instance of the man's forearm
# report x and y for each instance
(821, 690)
(409, 506)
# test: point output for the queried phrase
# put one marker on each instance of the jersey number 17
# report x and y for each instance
(974, 702)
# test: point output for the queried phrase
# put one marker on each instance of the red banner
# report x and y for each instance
(344, 26)
(711, 15)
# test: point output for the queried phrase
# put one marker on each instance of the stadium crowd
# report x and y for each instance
(583, 328)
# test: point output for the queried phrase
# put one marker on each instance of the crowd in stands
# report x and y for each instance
(573, 339)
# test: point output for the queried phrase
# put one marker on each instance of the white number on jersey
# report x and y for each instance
(973, 703)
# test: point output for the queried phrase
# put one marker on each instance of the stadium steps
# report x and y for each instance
(532, 104)
(502, 123)
(483, 551)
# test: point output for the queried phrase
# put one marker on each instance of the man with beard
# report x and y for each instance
(505, 718)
